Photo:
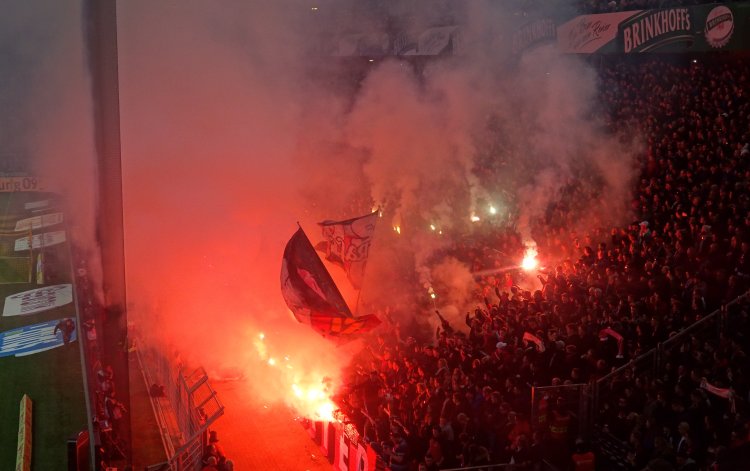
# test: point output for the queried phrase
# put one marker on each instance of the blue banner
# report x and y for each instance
(36, 338)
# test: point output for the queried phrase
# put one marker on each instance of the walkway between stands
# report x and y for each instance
(258, 436)
(148, 448)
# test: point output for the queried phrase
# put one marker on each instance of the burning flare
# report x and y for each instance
(309, 392)
(530, 261)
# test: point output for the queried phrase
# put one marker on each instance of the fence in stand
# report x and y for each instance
(184, 404)
(659, 362)
(575, 399)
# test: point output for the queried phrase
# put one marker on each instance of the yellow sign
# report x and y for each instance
(23, 453)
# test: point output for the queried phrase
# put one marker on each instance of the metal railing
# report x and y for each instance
(543, 465)
(485, 467)
(710, 326)
(644, 366)
(577, 399)
(159, 413)
(186, 412)
(653, 363)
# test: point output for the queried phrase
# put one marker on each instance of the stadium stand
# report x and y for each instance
(652, 318)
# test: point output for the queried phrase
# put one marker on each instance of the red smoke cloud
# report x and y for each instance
(234, 129)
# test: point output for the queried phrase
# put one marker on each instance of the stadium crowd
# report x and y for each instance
(104, 383)
(463, 399)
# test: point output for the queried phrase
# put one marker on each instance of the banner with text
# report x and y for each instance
(39, 222)
(36, 338)
(702, 28)
(10, 184)
(39, 241)
(37, 300)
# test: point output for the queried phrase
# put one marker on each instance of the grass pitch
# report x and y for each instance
(53, 379)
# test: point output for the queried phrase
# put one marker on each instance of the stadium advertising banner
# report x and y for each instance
(587, 34)
(341, 451)
(31, 339)
(433, 41)
(38, 300)
(36, 205)
(341, 460)
(533, 33)
(38, 222)
(39, 241)
(11, 184)
(702, 28)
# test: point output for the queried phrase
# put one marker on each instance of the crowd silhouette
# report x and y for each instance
(462, 398)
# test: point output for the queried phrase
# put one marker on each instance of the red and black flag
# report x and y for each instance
(311, 294)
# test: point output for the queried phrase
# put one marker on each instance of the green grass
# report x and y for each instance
(52, 379)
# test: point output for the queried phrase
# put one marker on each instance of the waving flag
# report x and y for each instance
(726, 393)
(529, 337)
(347, 244)
(311, 294)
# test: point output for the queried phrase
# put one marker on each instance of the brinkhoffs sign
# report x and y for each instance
(653, 28)
(699, 28)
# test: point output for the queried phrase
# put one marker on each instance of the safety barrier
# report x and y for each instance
(340, 443)
(543, 466)
(652, 363)
(186, 410)
(577, 399)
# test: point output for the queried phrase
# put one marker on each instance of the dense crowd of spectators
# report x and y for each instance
(108, 409)
(464, 398)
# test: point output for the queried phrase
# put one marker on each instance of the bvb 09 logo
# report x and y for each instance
(719, 26)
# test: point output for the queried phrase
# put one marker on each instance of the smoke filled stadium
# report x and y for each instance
(381, 235)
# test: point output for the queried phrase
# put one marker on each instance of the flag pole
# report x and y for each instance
(31, 252)
(359, 295)
(364, 271)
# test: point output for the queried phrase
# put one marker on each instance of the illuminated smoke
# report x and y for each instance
(46, 119)
(534, 122)
(454, 286)
(214, 111)
(234, 129)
